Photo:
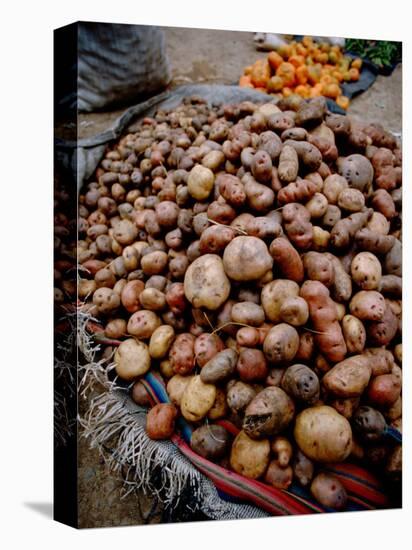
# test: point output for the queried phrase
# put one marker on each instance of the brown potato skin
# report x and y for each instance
(219, 367)
(252, 365)
(206, 347)
(281, 343)
(130, 296)
(215, 238)
(268, 413)
(277, 476)
(182, 354)
(160, 421)
(301, 383)
(287, 259)
(210, 441)
(143, 323)
(384, 390)
(349, 378)
(329, 491)
(248, 457)
(246, 259)
(231, 189)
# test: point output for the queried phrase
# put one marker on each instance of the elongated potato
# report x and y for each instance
(354, 333)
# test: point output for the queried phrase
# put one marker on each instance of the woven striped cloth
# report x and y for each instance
(364, 490)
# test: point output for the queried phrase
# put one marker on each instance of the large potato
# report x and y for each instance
(200, 182)
(248, 313)
(131, 359)
(366, 271)
(246, 259)
(220, 367)
(143, 323)
(301, 383)
(249, 457)
(274, 294)
(176, 387)
(197, 399)
(323, 435)
(160, 341)
(348, 378)
(206, 284)
(268, 413)
(182, 353)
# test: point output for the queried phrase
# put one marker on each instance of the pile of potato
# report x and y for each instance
(251, 254)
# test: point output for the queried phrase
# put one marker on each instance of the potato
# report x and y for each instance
(317, 205)
(262, 166)
(106, 300)
(329, 491)
(354, 333)
(288, 164)
(210, 441)
(249, 457)
(205, 283)
(303, 468)
(132, 359)
(182, 353)
(140, 395)
(125, 232)
(319, 267)
(348, 378)
(246, 259)
(143, 323)
(322, 434)
(269, 413)
(294, 311)
(220, 367)
(213, 160)
(130, 295)
(152, 299)
(260, 197)
(105, 278)
(274, 294)
(115, 328)
(287, 259)
(278, 476)
(215, 238)
(366, 271)
(368, 424)
(220, 406)
(160, 341)
(342, 282)
(393, 260)
(357, 170)
(239, 395)
(160, 421)
(378, 224)
(384, 390)
(247, 337)
(368, 305)
(207, 346)
(197, 399)
(200, 182)
(248, 313)
(381, 333)
(310, 113)
(301, 383)
(252, 365)
(281, 343)
(176, 387)
(154, 262)
(351, 200)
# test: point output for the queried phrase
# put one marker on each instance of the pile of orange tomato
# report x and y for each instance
(306, 68)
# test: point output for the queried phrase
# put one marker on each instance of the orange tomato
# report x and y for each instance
(357, 63)
(302, 74)
(260, 73)
(314, 73)
(307, 41)
(286, 71)
(287, 91)
(302, 90)
(285, 50)
(245, 81)
(316, 90)
(322, 57)
(343, 101)
(275, 84)
(331, 90)
(326, 79)
(354, 73)
(300, 49)
(337, 75)
(296, 60)
(274, 60)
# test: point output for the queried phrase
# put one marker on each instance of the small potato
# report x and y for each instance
(200, 182)
(206, 347)
(165, 369)
(354, 334)
(154, 262)
(115, 328)
(294, 311)
(249, 457)
(320, 238)
(262, 166)
(329, 491)
(368, 424)
(281, 343)
(220, 367)
(130, 295)
(317, 205)
(301, 383)
(160, 341)
(215, 238)
(210, 441)
(322, 434)
(303, 468)
(239, 395)
(206, 284)
(331, 217)
(366, 271)
(160, 421)
(246, 259)
(140, 395)
(248, 313)
(384, 390)
(125, 232)
(306, 346)
(213, 160)
(182, 353)
(152, 299)
(351, 200)
(368, 305)
(105, 278)
(278, 476)
(106, 300)
(197, 399)
(288, 164)
(274, 294)
(86, 287)
(378, 224)
(131, 359)
(220, 406)
(248, 337)
(252, 365)
(143, 323)
(176, 387)
(333, 187)
(319, 267)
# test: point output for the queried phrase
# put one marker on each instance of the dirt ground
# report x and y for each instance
(198, 56)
